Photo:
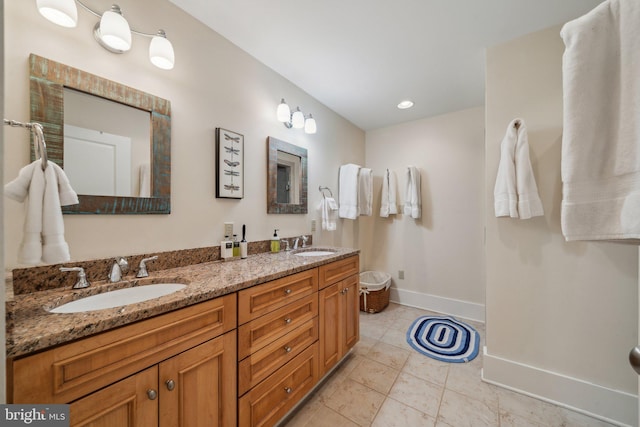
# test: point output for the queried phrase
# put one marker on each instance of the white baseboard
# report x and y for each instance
(612, 406)
(453, 307)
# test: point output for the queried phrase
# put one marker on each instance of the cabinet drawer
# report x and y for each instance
(73, 370)
(262, 331)
(268, 359)
(338, 270)
(270, 400)
(259, 300)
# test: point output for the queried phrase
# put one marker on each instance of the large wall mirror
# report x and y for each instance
(286, 178)
(113, 141)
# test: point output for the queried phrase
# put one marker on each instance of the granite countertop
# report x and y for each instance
(30, 327)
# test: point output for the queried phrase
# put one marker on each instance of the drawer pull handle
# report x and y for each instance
(344, 291)
(287, 349)
(287, 320)
(287, 291)
(152, 394)
(288, 390)
(170, 385)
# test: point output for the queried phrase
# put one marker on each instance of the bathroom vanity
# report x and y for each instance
(244, 353)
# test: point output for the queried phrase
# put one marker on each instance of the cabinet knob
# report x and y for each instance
(287, 349)
(152, 394)
(344, 291)
(287, 291)
(288, 390)
(287, 320)
(170, 385)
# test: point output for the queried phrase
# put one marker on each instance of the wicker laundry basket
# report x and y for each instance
(374, 291)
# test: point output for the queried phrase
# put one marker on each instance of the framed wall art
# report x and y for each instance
(229, 164)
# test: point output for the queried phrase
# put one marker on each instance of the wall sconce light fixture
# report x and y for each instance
(112, 32)
(297, 119)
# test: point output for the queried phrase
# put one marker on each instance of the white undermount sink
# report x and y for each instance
(315, 252)
(118, 298)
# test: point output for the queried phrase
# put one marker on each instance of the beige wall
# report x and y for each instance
(561, 317)
(441, 253)
(214, 84)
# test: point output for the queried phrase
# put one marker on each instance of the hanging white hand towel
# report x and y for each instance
(515, 191)
(348, 191)
(601, 123)
(365, 192)
(44, 192)
(328, 208)
(413, 202)
(388, 203)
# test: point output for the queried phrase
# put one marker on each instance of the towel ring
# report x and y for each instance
(321, 189)
(39, 146)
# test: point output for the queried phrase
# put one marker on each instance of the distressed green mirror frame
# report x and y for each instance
(273, 207)
(47, 81)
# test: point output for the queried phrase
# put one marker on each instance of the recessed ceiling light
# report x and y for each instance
(405, 104)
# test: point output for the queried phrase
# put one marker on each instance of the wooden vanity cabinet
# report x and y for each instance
(339, 307)
(122, 376)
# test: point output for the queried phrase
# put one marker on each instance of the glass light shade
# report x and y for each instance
(405, 104)
(284, 112)
(310, 125)
(60, 12)
(115, 31)
(161, 52)
(297, 120)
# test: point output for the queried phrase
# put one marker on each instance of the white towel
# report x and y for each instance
(328, 206)
(348, 191)
(413, 202)
(601, 129)
(365, 192)
(388, 204)
(515, 192)
(44, 192)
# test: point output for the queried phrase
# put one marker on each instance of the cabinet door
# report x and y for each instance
(198, 387)
(352, 311)
(331, 333)
(126, 403)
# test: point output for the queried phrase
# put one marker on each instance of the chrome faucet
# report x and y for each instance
(287, 248)
(82, 281)
(297, 240)
(119, 267)
(142, 268)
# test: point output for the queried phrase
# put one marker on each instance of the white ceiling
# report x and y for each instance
(362, 57)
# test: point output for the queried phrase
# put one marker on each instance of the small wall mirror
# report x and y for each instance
(286, 178)
(113, 141)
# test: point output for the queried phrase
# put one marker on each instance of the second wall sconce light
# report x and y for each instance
(297, 119)
(112, 32)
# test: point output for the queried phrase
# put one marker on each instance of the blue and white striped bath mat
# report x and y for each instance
(444, 338)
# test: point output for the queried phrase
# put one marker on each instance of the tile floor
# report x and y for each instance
(384, 382)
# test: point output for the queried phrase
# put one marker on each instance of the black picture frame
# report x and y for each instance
(229, 164)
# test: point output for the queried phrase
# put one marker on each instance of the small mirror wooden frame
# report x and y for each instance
(47, 82)
(274, 146)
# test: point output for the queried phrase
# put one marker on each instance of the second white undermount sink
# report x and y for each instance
(315, 252)
(118, 298)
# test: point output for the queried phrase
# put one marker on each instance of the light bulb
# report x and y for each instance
(114, 30)
(60, 12)
(161, 51)
(310, 125)
(284, 112)
(297, 120)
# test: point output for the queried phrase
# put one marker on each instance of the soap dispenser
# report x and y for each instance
(275, 242)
